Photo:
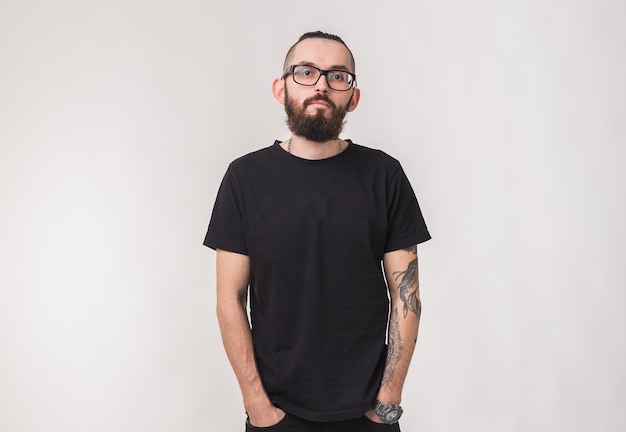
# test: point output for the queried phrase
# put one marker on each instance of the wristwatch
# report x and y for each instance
(389, 413)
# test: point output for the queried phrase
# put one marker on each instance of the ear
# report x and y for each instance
(354, 101)
(278, 90)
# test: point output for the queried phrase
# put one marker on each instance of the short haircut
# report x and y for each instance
(318, 35)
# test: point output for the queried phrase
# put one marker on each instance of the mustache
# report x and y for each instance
(319, 96)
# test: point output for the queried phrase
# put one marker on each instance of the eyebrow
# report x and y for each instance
(333, 67)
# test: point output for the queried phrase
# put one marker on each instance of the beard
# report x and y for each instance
(315, 127)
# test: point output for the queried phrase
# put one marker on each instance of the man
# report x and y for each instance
(305, 225)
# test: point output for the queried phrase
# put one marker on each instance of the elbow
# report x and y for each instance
(229, 305)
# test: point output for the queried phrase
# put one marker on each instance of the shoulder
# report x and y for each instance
(252, 159)
(375, 157)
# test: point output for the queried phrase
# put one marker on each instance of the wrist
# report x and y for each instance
(256, 400)
(388, 413)
(258, 409)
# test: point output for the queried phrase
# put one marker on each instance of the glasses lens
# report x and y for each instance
(339, 80)
(305, 75)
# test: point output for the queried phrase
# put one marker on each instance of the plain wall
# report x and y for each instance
(118, 120)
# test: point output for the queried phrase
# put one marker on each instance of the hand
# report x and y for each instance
(373, 417)
(266, 418)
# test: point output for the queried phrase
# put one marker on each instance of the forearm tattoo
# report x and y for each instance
(394, 349)
(409, 286)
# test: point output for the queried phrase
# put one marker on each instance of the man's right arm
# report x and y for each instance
(233, 277)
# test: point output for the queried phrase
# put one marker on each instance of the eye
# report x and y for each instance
(337, 75)
(304, 71)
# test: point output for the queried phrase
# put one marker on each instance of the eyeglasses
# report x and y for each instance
(306, 75)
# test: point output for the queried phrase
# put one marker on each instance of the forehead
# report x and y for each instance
(323, 53)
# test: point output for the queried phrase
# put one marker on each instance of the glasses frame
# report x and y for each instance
(322, 72)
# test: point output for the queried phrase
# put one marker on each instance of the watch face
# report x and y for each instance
(391, 416)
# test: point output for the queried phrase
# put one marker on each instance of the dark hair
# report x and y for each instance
(318, 35)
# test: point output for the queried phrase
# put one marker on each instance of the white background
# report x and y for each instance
(118, 120)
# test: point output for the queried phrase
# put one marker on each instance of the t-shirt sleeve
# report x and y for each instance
(406, 224)
(226, 228)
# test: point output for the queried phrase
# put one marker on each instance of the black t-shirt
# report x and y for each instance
(316, 232)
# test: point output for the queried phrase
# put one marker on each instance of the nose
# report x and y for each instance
(322, 84)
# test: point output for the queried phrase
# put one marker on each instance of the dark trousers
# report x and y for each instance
(295, 424)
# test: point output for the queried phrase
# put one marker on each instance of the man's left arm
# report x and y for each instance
(401, 272)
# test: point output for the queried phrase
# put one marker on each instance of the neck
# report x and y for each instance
(307, 149)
